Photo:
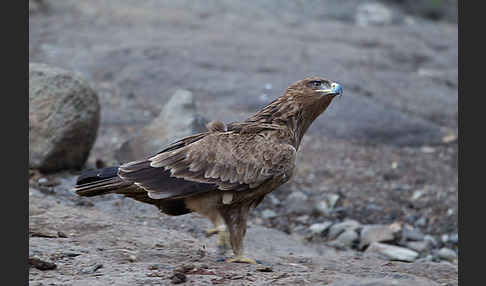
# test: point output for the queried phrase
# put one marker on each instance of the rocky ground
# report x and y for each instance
(379, 168)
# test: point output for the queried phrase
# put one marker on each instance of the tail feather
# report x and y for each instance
(100, 182)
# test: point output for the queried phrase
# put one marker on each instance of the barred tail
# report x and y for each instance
(99, 182)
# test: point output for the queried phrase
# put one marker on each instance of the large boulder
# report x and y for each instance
(177, 119)
(64, 116)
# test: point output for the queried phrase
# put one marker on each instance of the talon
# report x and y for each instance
(242, 260)
(210, 232)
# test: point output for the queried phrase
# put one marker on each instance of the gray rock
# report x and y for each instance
(341, 227)
(326, 205)
(345, 240)
(368, 14)
(177, 119)
(392, 252)
(64, 116)
(412, 234)
(431, 240)
(320, 227)
(447, 254)
(419, 246)
(378, 233)
(269, 214)
(297, 202)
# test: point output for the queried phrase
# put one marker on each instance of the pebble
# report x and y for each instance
(427, 149)
(421, 221)
(345, 240)
(339, 228)
(454, 238)
(320, 227)
(447, 254)
(41, 264)
(430, 239)
(412, 234)
(297, 202)
(378, 233)
(178, 277)
(393, 252)
(326, 206)
(268, 214)
(418, 246)
(416, 195)
(91, 269)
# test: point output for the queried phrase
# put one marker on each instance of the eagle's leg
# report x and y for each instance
(235, 218)
(223, 242)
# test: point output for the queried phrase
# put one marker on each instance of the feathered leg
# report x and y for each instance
(223, 242)
(235, 218)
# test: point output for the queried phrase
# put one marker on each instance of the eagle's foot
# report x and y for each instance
(241, 259)
(210, 232)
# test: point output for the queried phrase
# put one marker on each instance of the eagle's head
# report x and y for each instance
(301, 103)
(314, 90)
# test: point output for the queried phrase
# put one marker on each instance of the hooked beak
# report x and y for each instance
(335, 90)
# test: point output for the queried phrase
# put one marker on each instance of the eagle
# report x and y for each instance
(224, 172)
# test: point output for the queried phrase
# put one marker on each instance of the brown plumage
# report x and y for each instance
(223, 173)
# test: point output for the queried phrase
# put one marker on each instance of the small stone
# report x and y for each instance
(410, 233)
(419, 246)
(454, 238)
(326, 206)
(61, 234)
(421, 221)
(368, 14)
(274, 200)
(302, 218)
(265, 269)
(378, 233)
(297, 202)
(427, 149)
(269, 214)
(430, 239)
(132, 258)
(447, 254)
(320, 227)
(416, 195)
(42, 181)
(178, 277)
(339, 228)
(345, 240)
(393, 252)
(444, 238)
(41, 264)
(449, 138)
(91, 269)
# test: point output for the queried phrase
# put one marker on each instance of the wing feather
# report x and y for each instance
(221, 160)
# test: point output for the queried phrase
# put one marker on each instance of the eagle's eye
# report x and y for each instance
(316, 83)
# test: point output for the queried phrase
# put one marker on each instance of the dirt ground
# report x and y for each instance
(387, 147)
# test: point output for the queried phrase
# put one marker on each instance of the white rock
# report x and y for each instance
(339, 228)
(418, 246)
(320, 227)
(369, 14)
(392, 252)
(345, 240)
(378, 233)
(447, 254)
(269, 214)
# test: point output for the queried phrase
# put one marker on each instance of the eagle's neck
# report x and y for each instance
(292, 113)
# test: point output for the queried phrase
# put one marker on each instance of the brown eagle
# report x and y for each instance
(224, 172)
